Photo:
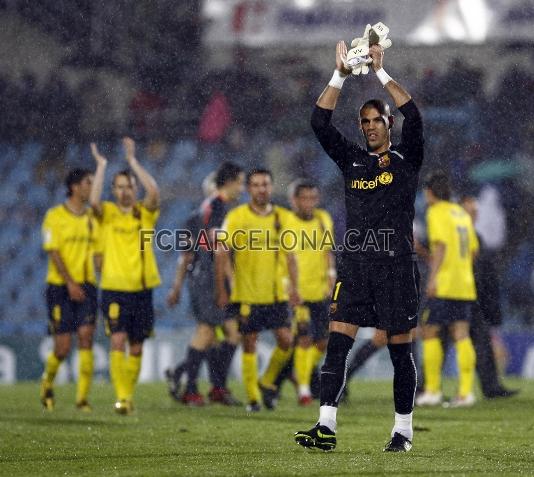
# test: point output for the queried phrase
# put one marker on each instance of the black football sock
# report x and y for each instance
(333, 372)
(361, 356)
(404, 377)
(178, 371)
(214, 366)
(226, 354)
(192, 368)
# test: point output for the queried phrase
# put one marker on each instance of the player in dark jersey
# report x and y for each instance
(486, 314)
(378, 279)
(197, 266)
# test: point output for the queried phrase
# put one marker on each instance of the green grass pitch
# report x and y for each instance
(165, 438)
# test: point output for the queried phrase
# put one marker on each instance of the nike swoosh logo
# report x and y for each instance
(410, 318)
(324, 436)
(355, 164)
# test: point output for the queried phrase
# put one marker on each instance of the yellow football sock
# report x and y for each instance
(432, 363)
(315, 356)
(85, 374)
(133, 368)
(51, 368)
(117, 371)
(278, 360)
(302, 365)
(466, 360)
(250, 376)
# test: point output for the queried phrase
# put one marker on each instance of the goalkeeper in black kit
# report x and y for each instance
(378, 279)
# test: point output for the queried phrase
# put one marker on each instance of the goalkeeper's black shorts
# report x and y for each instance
(379, 294)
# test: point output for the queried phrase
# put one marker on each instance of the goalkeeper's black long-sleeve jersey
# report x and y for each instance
(379, 189)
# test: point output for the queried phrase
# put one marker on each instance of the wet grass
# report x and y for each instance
(163, 438)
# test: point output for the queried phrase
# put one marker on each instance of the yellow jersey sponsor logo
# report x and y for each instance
(385, 178)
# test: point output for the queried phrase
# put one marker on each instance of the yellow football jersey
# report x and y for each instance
(315, 242)
(260, 264)
(449, 224)
(126, 265)
(73, 236)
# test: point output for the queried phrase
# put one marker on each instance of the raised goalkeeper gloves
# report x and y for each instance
(358, 56)
(358, 59)
(381, 31)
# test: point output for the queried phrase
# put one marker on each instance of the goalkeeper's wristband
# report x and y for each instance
(383, 77)
(337, 80)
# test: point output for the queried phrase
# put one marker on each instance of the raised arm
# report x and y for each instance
(330, 95)
(95, 198)
(332, 141)
(412, 128)
(151, 199)
(399, 95)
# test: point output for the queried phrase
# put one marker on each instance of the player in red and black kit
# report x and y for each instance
(198, 267)
(378, 279)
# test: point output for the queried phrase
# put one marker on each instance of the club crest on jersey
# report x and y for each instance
(384, 161)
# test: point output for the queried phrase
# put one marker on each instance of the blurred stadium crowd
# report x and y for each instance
(189, 117)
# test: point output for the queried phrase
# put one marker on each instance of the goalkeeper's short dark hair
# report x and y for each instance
(438, 183)
(381, 106)
(75, 176)
(227, 172)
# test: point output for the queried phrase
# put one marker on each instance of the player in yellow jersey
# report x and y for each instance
(68, 238)
(129, 269)
(451, 292)
(316, 279)
(265, 279)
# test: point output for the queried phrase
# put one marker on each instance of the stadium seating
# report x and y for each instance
(24, 201)
(25, 197)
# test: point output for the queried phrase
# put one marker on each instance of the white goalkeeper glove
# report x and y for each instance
(358, 56)
(381, 31)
